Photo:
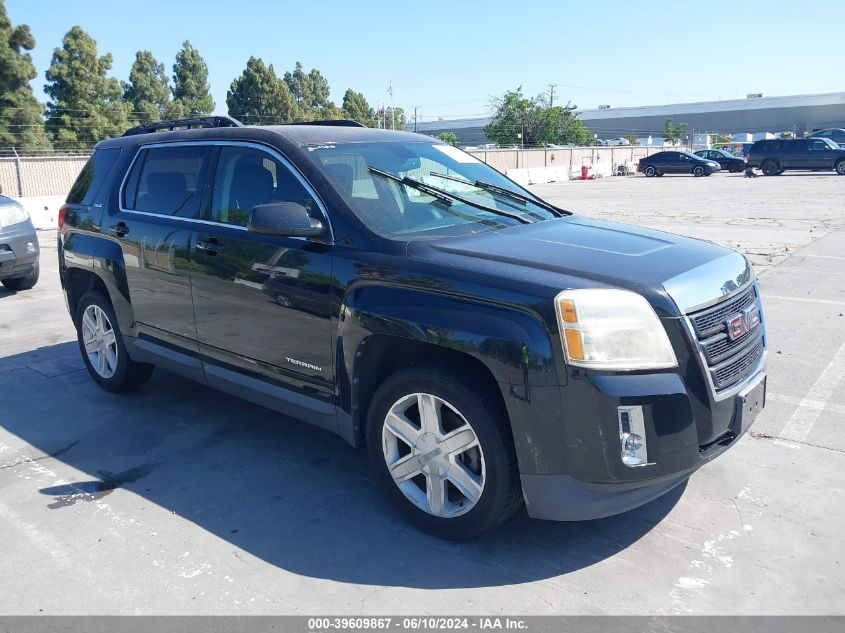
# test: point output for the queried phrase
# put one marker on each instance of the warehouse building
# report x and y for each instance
(755, 115)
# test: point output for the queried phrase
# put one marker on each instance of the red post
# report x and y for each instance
(583, 172)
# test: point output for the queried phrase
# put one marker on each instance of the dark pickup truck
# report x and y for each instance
(775, 156)
(487, 347)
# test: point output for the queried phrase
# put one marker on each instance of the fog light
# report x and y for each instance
(632, 436)
(30, 247)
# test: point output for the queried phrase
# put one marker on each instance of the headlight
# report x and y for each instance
(12, 214)
(612, 329)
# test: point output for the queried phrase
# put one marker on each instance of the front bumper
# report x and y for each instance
(15, 259)
(563, 497)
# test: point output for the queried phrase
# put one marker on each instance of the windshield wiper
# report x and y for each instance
(503, 191)
(446, 196)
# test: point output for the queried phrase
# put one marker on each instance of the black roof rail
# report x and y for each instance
(331, 123)
(195, 122)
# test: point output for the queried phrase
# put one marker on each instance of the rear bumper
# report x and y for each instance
(15, 259)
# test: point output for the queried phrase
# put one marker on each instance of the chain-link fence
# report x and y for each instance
(39, 174)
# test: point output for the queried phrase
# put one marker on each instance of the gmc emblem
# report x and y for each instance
(744, 322)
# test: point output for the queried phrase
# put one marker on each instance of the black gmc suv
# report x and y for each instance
(485, 346)
(775, 156)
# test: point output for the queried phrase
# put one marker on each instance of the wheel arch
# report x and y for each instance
(384, 329)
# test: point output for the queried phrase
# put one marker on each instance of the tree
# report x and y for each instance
(519, 120)
(85, 104)
(633, 139)
(310, 91)
(355, 107)
(148, 90)
(448, 137)
(259, 96)
(393, 119)
(191, 96)
(21, 124)
(674, 132)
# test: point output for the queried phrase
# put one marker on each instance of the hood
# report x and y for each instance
(576, 252)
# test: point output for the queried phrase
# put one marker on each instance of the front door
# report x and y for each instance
(819, 154)
(262, 302)
(158, 203)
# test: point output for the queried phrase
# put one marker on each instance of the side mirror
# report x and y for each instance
(287, 219)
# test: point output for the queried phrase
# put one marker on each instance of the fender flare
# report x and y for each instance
(492, 334)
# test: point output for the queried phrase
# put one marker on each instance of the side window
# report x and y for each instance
(246, 177)
(92, 176)
(167, 180)
(799, 146)
(819, 145)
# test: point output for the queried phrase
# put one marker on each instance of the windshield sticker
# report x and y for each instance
(311, 148)
(456, 154)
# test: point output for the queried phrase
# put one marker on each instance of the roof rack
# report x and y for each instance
(331, 123)
(195, 122)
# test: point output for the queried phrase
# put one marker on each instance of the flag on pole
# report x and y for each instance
(390, 89)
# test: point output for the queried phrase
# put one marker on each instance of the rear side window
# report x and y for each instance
(766, 146)
(167, 180)
(92, 176)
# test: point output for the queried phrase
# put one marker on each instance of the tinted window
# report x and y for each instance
(766, 146)
(799, 146)
(819, 145)
(246, 177)
(167, 180)
(92, 176)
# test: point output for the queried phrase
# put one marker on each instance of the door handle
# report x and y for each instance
(210, 246)
(119, 230)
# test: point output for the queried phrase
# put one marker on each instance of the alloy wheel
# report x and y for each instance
(98, 338)
(433, 455)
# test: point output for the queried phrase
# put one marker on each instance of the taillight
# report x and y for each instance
(62, 211)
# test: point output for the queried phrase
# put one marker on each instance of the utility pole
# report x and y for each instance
(552, 95)
(415, 118)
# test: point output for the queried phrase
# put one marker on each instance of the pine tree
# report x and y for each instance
(355, 107)
(311, 93)
(21, 125)
(191, 96)
(148, 90)
(85, 104)
(259, 97)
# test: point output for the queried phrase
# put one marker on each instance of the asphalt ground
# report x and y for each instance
(177, 499)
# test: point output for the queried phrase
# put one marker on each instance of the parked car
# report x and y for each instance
(677, 163)
(836, 134)
(775, 156)
(486, 347)
(19, 252)
(726, 160)
(734, 148)
(616, 141)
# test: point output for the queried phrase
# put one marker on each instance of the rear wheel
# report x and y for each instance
(24, 283)
(840, 168)
(443, 453)
(650, 171)
(698, 171)
(102, 347)
(770, 168)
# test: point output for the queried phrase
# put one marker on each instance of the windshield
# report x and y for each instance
(445, 190)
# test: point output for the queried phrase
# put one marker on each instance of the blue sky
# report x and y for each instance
(448, 58)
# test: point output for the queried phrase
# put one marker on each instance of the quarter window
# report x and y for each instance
(246, 177)
(167, 180)
(92, 176)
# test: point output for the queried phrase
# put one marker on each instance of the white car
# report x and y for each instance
(616, 141)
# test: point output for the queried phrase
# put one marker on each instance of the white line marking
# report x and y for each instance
(805, 402)
(805, 300)
(821, 256)
(801, 423)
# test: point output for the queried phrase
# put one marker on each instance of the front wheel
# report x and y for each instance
(698, 171)
(102, 347)
(442, 452)
(23, 283)
(840, 168)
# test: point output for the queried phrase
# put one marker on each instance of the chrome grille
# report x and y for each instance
(728, 362)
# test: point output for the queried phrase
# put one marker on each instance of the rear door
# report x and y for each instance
(262, 302)
(797, 155)
(159, 199)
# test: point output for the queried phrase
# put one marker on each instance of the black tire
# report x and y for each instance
(24, 283)
(501, 495)
(840, 168)
(770, 168)
(650, 171)
(698, 171)
(127, 374)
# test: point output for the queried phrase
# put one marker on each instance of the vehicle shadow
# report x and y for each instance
(283, 491)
